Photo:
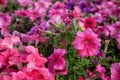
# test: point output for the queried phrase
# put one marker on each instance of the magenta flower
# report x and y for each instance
(87, 43)
(5, 77)
(38, 73)
(37, 59)
(34, 57)
(90, 74)
(118, 41)
(100, 69)
(23, 2)
(34, 14)
(90, 23)
(115, 29)
(57, 64)
(3, 3)
(102, 31)
(9, 57)
(5, 20)
(22, 13)
(102, 72)
(20, 76)
(115, 71)
(81, 78)
(77, 12)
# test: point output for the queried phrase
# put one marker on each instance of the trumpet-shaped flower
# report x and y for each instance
(115, 71)
(57, 64)
(87, 43)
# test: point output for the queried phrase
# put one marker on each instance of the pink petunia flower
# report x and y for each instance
(115, 71)
(34, 14)
(102, 31)
(102, 72)
(90, 74)
(9, 42)
(118, 41)
(34, 57)
(9, 57)
(20, 76)
(22, 13)
(5, 77)
(90, 23)
(77, 12)
(81, 78)
(23, 2)
(87, 43)
(115, 29)
(100, 69)
(5, 19)
(38, 73)
(57, 64)
(3, 3)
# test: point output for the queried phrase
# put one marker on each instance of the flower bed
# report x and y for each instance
(59, 39)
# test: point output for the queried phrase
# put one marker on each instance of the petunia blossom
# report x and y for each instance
(57, 64)
(17, 76)
(81, 78)
(102, 72)
(115, 71)
(3, 3)
(23, 2)
(9, 42)
(87, 43)
(90, 23)
(38, 73)
(34, 57)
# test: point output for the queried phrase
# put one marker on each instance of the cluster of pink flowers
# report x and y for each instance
(26, 26)
(22, 60)
(18, 62)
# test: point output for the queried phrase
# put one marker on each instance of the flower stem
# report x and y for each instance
(106, 45)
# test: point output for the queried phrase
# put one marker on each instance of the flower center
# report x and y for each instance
(86, 41)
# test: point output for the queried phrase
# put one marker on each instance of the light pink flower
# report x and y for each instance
(98, 17)
(9, 42)
(77, 12)
(102, 31)
(37, 59)
(115, 71)
(42, 5)
(87, 43)
(57, 64)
